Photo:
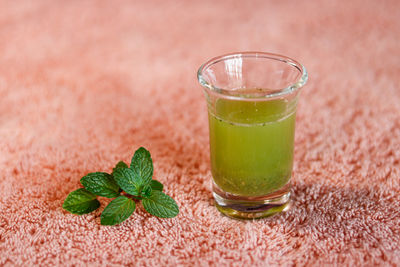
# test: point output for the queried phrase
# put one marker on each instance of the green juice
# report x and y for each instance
(251, 145)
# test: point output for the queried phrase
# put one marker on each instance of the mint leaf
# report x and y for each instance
(120, 164)
(118, 211)
(80, 202)
(101, 184)
(142, 165)
(156, 185)
(127, 180)
(146, 192)
(160, 205)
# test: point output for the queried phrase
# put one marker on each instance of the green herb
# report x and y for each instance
(120, 164)
(118, 211)
(81, 201)
(128, 185)
(142, 165)
(128, 182)
(101, 184)
(156, 185)
(146, 192)
(160, 205)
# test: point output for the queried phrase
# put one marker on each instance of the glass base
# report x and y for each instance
(252, 207)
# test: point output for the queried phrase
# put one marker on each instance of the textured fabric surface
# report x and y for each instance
(85, 83)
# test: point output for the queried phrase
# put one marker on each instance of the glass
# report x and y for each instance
(252, 100)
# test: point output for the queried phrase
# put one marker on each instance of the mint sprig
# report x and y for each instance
(129, 186)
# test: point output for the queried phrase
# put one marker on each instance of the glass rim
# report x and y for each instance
(294, 87)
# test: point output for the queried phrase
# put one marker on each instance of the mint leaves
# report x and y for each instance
(118, 211)
(101, 184)
(128, 185)
(81, 201)
(160, 205)
(142, 165)
(156, 185)
(128, 182)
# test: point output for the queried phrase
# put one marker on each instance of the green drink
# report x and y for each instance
(252, 99)
(251, 146)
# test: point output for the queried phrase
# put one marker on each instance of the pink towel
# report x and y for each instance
(83, 84)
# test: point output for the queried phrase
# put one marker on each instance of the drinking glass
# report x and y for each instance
(252, 100)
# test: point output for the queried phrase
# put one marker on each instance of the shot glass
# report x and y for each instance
(252, 100)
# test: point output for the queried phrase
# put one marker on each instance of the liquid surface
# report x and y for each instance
(251, 145)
